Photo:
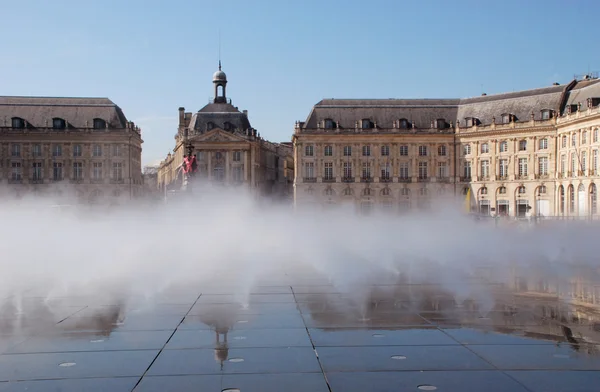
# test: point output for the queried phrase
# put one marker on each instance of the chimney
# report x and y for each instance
(245, 113)
(556, 84)
(181, 116)
(483, 94)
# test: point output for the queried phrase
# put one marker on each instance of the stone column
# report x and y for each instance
(252, 168)
(209, 164)
(227, 179)
(246, 165)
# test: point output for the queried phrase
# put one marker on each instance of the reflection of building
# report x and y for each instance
(228, 149)
(82, 147)
(529, 152)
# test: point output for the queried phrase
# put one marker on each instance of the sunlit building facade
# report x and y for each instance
(527, 153)
(78, 149)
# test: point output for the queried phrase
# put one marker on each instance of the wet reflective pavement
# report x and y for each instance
(307, 335)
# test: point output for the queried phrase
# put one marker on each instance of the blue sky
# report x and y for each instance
(151, 57)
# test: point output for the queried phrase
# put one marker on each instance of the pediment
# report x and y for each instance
(217, 135)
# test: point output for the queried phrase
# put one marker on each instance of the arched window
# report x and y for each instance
(404, 192)
(367, 192)
(423, 192)
(521, 190)
(329, 192)
(348, 192)
(385, 192)
(561, 204)
(593, 199)
(99, 123)
(502, 190)
(483, 191)
(59, 123)
(571, 199)
(542, 190)
(18, 122)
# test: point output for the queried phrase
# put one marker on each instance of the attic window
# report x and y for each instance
(572, 108)
(403, 123)
(209, 126)
(506, 117)
(228, 126)
(329, 123)
(99, 123)
(593, 102)
(440, 123)
(469, 122)
(366, 124)
(18, 122)
(546, 114)
(59, 123)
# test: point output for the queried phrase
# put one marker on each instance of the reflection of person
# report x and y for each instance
(221, 348)
(194, 165)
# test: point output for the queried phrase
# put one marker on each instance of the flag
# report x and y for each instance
(468, 201)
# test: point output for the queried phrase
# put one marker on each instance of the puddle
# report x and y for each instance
(564, 356)
(364, 319)
(427, 388)
(242, 321)
(67, 364)
(231, 390)
(239, 338)
(236, 360)
(97, 341)
(398, 357)
(378, 335)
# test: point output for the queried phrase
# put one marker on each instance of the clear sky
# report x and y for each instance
(282, 57)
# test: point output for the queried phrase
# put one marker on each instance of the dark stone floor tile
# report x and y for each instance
(502, 335)
(211, 290)
(558, 381)
(356, 320)
(117, 322)
(351, 359)
(135, 309)
(120, 384)
(324, 289)
(474, 318)
(239, 309)
(245, 299)
(250, 321)
(239, 338)
(9, 341)
(16, 367)
(380, 337)
(290, 382)
(243, 360)
(90, 341)
(447, 381)
(540, 357)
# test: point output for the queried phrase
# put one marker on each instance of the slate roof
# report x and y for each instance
(218, 114)
(39, 111)
(425, 111)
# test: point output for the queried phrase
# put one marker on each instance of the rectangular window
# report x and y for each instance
(328, 171)
(543, 166)
(57, 171)
(36, 150)
(404, 170)
(309, 170)
(366, 151)
(347, 170)
(423, 174)
(522, 167)
(37, 171)
(422, 151)
(485, 148)
(328, 151)
(308, 151)
(573, 140)
(15, 174)
(595, 163)
(77, 150)
(237, 173)
(116, 148)
(503, 146)
(595, 136)
(467, 170)
(573, 164)
(57, 150)
(584, 137)
(523, 145)
(583, 161)
(563, 164)
(117, 171)
(97, 170)
(385, 172)
(485, 168)
(347, 151)
(366, 170)
(404, 151)
(237, 156)
(15, 150)
(77, 170)
(442, 171)
(97, 150)
(543, 144)
(385, 151)
(503, 168)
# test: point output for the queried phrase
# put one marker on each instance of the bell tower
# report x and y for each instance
(220, 83)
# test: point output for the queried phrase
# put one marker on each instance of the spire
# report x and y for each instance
(219, 64)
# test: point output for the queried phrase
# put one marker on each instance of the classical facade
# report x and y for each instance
(82, 149)
(229, 151)
(527, 153)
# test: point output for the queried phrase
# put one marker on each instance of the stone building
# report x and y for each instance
(527, 153)
(83, 149)
(228, 149)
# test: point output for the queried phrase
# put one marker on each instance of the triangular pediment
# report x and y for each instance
(217, 135)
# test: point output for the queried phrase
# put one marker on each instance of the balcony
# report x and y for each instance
(443, 179)
(328, 179)
(347, 179)
(385, 179)
(501, 178)
(542, 176)
(483, 178)
(465, 179)
(423, 179)
(37, 181)
(97, 181)
(15, 180)
(309, 179)
(117, 181)
(76, 180)
(405, 179)
(522, 177)
(366, 179)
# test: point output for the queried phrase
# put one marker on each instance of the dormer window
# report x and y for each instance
(546, 114)
(366, 124)
(469, 122)
(506, 118)
(329, 123)
(403, 123)
(571, 108)
(228, 126)
(18, 122)
(99, 123)
(59, 123)
(440, 123)
(210, 125)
